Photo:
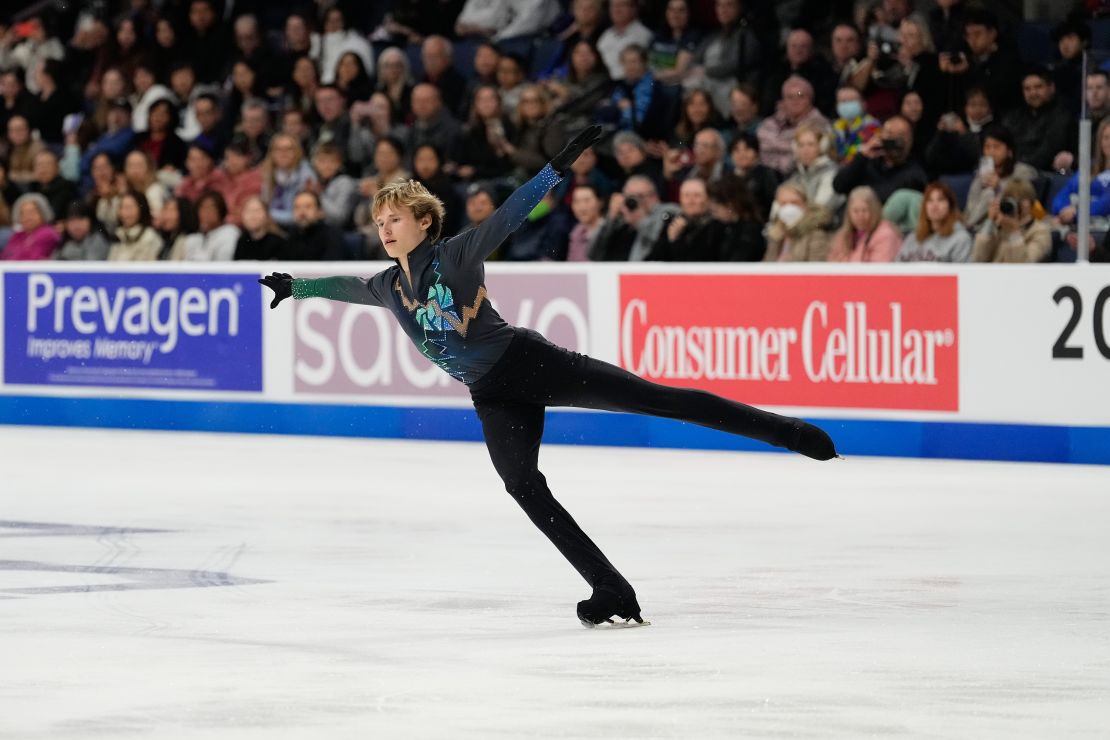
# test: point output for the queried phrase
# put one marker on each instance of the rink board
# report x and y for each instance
(970, 361)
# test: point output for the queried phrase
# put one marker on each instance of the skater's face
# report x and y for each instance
(399, 230)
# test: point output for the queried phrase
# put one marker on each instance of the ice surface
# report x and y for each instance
(215, 586)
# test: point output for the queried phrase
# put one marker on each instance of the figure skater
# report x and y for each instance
(437, 293)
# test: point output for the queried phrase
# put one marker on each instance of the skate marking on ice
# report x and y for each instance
(626, 624)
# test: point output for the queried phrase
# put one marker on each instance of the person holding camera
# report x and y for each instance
(635, 221)
(986, 63)
(956, 146)
(884, 163)
(1016, 230)
(997, 167)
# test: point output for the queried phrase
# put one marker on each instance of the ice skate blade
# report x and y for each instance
(620, 625)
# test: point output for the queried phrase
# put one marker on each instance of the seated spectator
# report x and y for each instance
(744, 112)
(511, 80)
(104, 196)
(1016, 229)
(988, 63)
(584, 171)
(336, 43)
(240, 180)
(730, 55)
(638, 99)
(284, 174)
(432, 122)
(175, 224)
(1098, 95)
(762, 181)
(884, 163)
(112, 87)
(135, 239)
(147, 91)
(997, 168)
(1043, 130)
(82, 239)
(635, 221)
(865, 235)
(210, 122)
(708, 161)
(117, 137)
(27, 49)
(797, 230)
(672, 50)
(246, 84)
(625, 30)
(201, 172)
(427, 167)
(526, 147)
(351, 78)
(917, 69)
(912, 109)
(853, 125)
(958, 141)
(847, 50)
(20, 150)
(139, 175)
(254, 130)
(389, 159)
(54, 104)
(588, 21)
(586, 205)
(15, 100)
(482, 152)
(395, 80)
(801, 60)
(815, 171)
(584, 83)
(697, 113)
(259, 239)
(252, 48)
(1066, 203)
(502, 19)
(946, 24)
(370, 120)
(481, 202)
(215, 240)
(736, 230)
(334, 120)
(338, 192)
(160, 141)
(35, 237)
(294, 123)
(684, 238)
(300, 93)
(59, 192)
(1072, 38)
(167, 52)
(631, 155)
(438, 58)
(776, 134)
(310, 236)
(939, 236)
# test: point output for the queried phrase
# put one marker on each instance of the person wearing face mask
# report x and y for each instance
(797, 230)
(884, 163)
(853, 126)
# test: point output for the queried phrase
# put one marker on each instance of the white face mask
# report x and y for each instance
(790, 214)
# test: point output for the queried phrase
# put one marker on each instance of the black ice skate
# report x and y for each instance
(810, 441)
(606, 602)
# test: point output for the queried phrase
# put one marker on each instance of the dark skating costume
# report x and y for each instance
(513, 374)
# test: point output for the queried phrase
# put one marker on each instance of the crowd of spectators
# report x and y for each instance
(869, 131)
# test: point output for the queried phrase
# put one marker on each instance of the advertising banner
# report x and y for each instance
(838, 341)
(351, 349)
(149, 330)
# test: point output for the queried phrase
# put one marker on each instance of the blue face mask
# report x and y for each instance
(849, 110)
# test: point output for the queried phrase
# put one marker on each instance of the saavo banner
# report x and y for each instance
(875, 342)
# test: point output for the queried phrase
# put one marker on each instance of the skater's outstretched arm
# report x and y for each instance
(340, 288)
(477, 244)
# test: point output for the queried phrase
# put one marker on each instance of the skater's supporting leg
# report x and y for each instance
(513, 431)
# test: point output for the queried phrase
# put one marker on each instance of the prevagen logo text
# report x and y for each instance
(133, 310)
(163, 329)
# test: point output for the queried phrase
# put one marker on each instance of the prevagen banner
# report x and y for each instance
(840, 341)
(157, 330)
(351, 349)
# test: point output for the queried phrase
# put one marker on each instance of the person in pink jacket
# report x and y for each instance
(35, 237)
(865, 236)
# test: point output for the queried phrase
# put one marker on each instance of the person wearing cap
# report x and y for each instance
(83, 238)
(117, 137)
(35, 238)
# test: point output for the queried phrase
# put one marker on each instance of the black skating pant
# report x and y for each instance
(534, 374)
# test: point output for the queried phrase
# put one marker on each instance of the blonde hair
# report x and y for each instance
(411, 195)
(846, 237)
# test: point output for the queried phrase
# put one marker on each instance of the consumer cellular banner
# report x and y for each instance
(881, 342)
(154, 330)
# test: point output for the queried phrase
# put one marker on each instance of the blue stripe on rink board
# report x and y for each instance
(930, 439)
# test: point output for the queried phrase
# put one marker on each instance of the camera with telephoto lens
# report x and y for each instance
(1008, 207)
(631, 204)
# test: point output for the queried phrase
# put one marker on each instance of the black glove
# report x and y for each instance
(562, 161)
(282, 285)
